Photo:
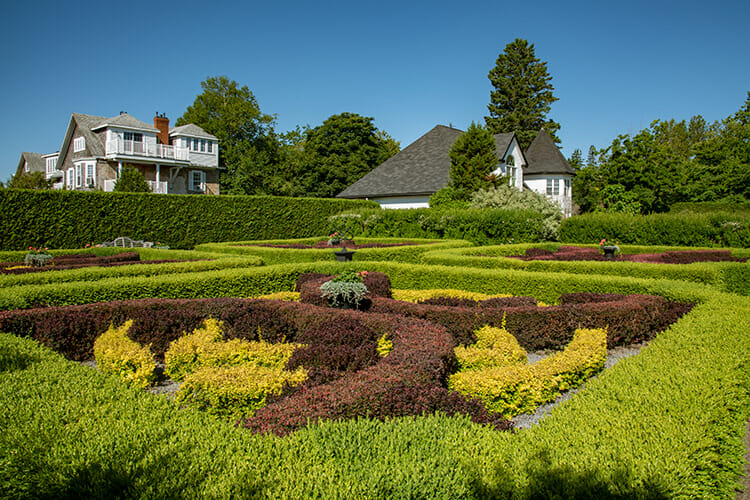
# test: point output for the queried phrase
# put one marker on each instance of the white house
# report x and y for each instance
(179, 160)
(410, 177)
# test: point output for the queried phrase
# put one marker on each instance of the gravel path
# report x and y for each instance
(525, 421)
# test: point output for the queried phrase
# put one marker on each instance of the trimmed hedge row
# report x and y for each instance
(46, 218)
(483, 227)
(629, 319)
(721, 229)
(653, 426)
(269, 255)
(256, 281)
(733, 277)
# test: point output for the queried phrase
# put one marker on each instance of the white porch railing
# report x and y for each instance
(135, 148)
(156, 187)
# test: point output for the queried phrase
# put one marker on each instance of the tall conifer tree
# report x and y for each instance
(522, 95)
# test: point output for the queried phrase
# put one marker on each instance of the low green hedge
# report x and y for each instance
(255, 281)
(733, 277)
(270, 255)
(653, 426)
(703, 207)
(483, 227)
(69, 219)
(94, 273)
(720, 229)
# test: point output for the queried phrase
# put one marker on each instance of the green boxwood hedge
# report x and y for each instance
(270, 255)
(71, 219)
(483, 227)
(733, 277)
(720, 229)
(653, 426)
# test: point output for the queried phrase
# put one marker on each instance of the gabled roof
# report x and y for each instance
(34, 160)
(124, 120)
(503, 143)
(422, 168)
(85, 123)
(544, 157)
(191, 130)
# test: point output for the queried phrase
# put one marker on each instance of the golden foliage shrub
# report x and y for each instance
(417, 295)
(510, 389)
(116, 353)
(494, 347)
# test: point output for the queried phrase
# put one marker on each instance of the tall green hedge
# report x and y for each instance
(483, 227)
(713, 229)
(71, 219)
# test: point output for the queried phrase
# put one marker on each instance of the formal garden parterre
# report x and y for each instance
(665, 424)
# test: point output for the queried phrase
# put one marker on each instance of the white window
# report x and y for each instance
(511, 170)
(51, 164)
(197, 181)
(209, 147)
(26, 167)
(69, 178)
(79, 144)
(567, 187)
(557, 186)
(79, 175)
(90, 175)
(549, 186)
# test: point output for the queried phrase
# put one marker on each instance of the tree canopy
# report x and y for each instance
(29, 180)
(522, 95)
(473, 159)
(341, 151)
(668, 162)
(248, 148)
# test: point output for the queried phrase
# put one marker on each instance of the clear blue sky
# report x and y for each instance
(616, 67)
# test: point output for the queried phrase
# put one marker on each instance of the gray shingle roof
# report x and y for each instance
(86, 124)
(422, 168)
(124, 120)
(191, 130)
(34, 160)
(544, 157)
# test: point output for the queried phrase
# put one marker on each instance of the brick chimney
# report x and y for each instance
(162, 123)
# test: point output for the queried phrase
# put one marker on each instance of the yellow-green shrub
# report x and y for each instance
(417, 295)
(290, 296)
(116, 353)
(513, 389)
(205, 348)
(235, 391)
(494, 347)
(385, 346)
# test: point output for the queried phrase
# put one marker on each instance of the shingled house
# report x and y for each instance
(179, 160)
(410, 177)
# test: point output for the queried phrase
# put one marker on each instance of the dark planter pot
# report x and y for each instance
(609, 251)
(343, 255)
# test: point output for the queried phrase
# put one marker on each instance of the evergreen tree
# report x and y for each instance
(30, 180)
(131, 180)
(473, 159)
(522, 96)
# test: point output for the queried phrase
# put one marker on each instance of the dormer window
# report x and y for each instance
(511, 170)
(51, 164)
(200, 145)
(133, 136)
(79, 144)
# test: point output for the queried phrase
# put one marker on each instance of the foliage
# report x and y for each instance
(131, 180)
(340, 293)
(473, 159)
(29, 180)
(34, 218)
(718, 229)
(482, 227)
(522, 94)
(494, 347)
(509, 198)
(449, 198)
(341, 151)
(669, 162)
(385, 346)
(509, 387)
(116, 353)
(422, 295)
(247, 145)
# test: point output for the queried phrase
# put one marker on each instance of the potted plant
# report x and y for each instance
(609, 250)
(346, 291)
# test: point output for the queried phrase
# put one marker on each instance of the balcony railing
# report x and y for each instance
(156, 187)
(136, 148)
